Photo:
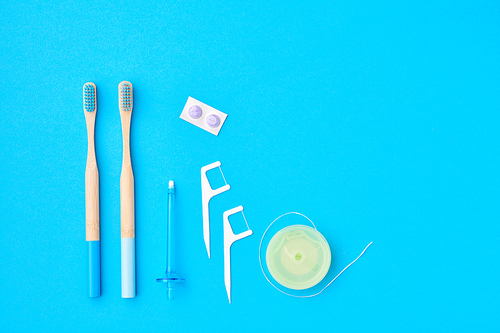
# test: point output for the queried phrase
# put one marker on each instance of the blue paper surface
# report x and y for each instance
(379, 121)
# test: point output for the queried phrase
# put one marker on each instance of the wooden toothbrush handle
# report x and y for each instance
(92, 202)
(91, 184)
(127, 182)
(127, 202)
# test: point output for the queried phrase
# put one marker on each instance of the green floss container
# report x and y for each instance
(298, 257)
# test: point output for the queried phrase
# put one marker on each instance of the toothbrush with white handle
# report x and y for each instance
(92, 194)
(125, 101)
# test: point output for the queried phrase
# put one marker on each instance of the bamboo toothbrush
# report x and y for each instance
(125, 101)
(92, 193)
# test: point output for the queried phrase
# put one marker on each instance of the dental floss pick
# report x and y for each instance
(299, 296)
(229, 239)
(208, 193)
(171, 276)
(203, 116)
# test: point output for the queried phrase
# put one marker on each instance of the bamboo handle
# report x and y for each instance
(91, 183)
(127, 181)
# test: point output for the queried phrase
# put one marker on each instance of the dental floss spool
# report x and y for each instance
(298, 257)
(310, 282)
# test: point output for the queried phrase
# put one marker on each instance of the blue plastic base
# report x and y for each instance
(94, 268)
(128, 267)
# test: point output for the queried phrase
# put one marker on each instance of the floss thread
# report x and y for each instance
(314, 226)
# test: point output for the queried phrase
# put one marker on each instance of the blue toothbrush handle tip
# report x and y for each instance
(94, 271)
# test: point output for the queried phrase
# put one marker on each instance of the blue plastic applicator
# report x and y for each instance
(170, 276)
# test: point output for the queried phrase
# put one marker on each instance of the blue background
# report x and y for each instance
(379, 121)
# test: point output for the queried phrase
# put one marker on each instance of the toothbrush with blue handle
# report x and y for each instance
(92, 194)
(125, 101)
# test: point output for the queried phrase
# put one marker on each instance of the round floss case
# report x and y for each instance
(298, 257)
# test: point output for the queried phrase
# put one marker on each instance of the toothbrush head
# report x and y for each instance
(89, 97)
(126, 96)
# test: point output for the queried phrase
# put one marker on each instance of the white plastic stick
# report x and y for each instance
(208, 193)
(229, 239)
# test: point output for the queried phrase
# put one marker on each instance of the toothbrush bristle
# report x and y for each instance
(89, 97)
(126, 96)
